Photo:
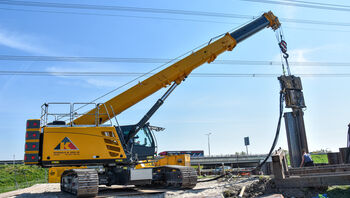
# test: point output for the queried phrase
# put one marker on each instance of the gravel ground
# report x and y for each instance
(212, 189)
(38, 190)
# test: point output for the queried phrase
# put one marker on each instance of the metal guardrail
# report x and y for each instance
(194, 160)
(228, 159)
(3, 162)
(235, 155)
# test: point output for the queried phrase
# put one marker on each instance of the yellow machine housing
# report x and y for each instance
(80, 145)
(181, 160)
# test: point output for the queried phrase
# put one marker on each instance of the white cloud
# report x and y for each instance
(298, 55)
(103, 83)
(289, 11)
(305, 55)
(21, 42)
(87, 81)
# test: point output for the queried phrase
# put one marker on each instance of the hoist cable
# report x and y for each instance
(283, 49)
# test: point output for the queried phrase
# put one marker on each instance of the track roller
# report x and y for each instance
(175, 176)
(80, 182)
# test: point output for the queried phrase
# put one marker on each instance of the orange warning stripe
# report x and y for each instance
(37, 140)
(34, 129)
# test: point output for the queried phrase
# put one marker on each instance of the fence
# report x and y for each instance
(3, 162)
(17, 176)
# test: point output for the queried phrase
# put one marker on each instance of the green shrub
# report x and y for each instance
(20, 176)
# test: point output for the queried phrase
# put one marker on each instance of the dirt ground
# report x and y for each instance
(212, 189)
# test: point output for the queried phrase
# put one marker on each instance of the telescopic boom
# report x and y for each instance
(178, 71)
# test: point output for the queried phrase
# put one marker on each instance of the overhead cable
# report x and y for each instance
(120, 15)
(121, 8)
(128, 74)
(157, 11)
(317, 3)
(304, 5)
(172, 19)
(159, 60)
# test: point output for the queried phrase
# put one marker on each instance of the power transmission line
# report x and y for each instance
(155, 10)
(118, 15)
(317, 3)
(168, 18)
(122, 8)
(127, 74)
(305, 5)
(162, 60)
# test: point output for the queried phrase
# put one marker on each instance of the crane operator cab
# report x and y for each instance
(142, 146)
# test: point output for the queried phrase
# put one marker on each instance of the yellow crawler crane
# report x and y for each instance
(86, 140)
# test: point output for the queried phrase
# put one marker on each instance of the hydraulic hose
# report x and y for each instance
(273, 144)
(277, 132)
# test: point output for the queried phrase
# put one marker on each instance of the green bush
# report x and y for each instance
(20, 176)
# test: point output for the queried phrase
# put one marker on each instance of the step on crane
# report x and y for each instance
(86, 139)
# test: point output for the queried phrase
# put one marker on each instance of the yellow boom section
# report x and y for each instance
(176, 72)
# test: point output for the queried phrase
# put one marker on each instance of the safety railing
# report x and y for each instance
(66, 117)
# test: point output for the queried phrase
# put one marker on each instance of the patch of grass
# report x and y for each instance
(13, 177)
(263, 177)
(288, 159)
(339, 191)
(318, 159)
(196, 166)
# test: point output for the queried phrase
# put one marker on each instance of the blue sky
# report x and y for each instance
(229, 108)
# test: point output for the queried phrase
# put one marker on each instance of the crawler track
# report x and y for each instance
(175, 176)
(80, 182)
(84, 182)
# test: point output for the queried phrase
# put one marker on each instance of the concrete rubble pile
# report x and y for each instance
(257, 188)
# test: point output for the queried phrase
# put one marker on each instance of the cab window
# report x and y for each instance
(143, 138)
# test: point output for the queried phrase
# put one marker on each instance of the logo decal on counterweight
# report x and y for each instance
(66, 144)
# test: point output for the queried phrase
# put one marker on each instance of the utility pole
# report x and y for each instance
(208, 142)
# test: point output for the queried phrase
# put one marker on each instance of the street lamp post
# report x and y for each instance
(208, 142)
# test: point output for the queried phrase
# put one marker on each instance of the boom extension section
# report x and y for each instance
(178, 71)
